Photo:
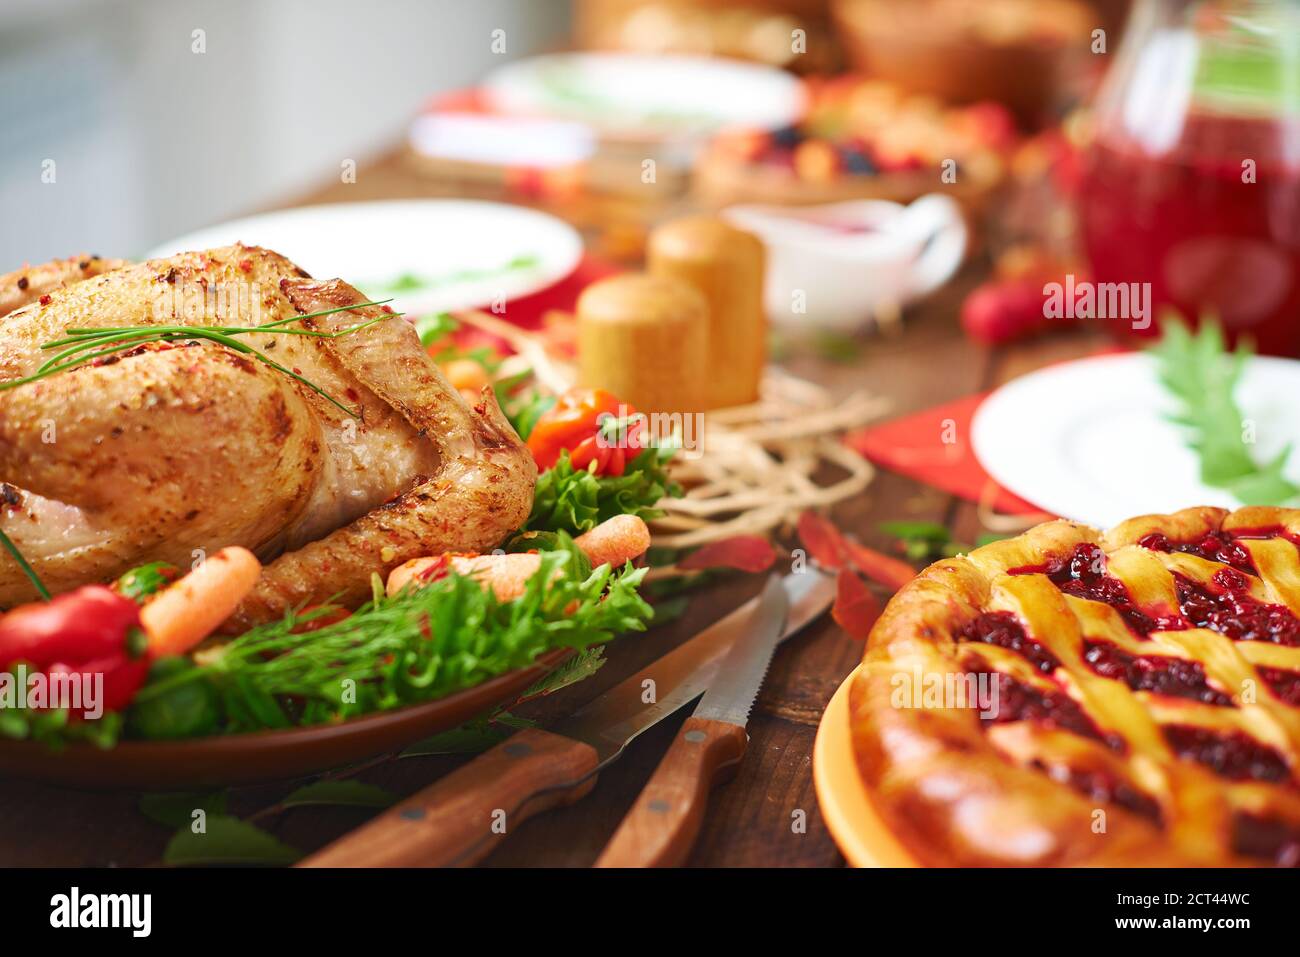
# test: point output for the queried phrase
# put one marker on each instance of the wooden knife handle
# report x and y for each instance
(662, 826)
(459, 820)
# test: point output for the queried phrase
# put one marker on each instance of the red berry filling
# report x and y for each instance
(1002, 629)
(1083, 575)
(1272, 840)
(1161, 675)
(1105, 789)
(1224, 605)
(1285, 684)
(1215, 547)
(1234, 755)
(1233, 612)
(1020, 702)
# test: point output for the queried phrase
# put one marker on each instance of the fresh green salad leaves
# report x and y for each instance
(1202, 375)
(575, 501)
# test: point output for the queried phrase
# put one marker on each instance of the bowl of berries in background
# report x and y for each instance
(861, 139)
(1030, 55)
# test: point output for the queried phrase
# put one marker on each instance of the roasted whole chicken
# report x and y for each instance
(170, 450)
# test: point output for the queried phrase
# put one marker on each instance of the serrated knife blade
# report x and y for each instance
(740, 675)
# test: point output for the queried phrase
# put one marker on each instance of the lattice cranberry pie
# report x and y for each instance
(1140, 706)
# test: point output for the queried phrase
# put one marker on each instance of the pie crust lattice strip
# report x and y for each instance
(1141, 697)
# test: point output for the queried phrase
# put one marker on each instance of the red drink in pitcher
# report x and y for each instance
(1192, 183)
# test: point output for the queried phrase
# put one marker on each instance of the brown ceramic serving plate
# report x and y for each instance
(261, 755)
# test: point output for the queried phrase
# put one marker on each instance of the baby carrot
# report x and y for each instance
(506, 575)
(615, 540)
(190, 609)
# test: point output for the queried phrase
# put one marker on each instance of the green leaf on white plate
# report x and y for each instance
(345, 793)
(227, 840)
(1202, 375)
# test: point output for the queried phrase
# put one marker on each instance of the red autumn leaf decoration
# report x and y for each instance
(832, 549)
(856, 608)
(891, 572)
(822, 540)
(746, 553)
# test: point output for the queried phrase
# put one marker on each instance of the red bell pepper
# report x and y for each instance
(88, 631)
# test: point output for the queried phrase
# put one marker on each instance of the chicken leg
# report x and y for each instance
(481, 491)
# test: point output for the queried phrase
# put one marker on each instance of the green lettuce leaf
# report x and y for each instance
(575, 501)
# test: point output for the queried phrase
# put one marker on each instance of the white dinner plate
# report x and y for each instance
(430, 255)
(643, 95)
(1090, 440)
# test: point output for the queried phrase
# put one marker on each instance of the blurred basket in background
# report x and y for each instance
(1029, 55)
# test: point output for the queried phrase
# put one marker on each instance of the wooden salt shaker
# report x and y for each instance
(645, 339)
(726, 265)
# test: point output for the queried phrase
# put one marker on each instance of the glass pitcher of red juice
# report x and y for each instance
(1192, 180)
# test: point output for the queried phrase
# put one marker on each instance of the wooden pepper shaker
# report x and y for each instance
(645, 339)
(726, 265)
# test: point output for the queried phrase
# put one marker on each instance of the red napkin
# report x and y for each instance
(915, 446)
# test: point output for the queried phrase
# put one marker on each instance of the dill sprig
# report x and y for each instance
(82, 346)
(419, 645)
(1198, 370)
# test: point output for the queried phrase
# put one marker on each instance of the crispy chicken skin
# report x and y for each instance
(28, 284)
(168, 452)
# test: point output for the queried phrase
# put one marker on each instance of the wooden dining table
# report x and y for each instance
(767, 816)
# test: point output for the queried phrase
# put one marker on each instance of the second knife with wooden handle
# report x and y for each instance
(662, 826)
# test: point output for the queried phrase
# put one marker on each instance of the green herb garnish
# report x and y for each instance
(419, 645)
(1199, 371)
(930, 541)
(837, 347)
(82, 346)
(56, 729)
(524, 410)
